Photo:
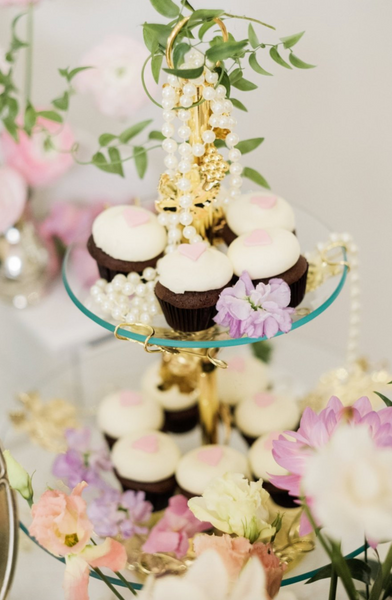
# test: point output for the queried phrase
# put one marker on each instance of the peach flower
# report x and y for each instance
(60, 524)
(13, 196)
(38, 165)
(234, 551)
(273, 567)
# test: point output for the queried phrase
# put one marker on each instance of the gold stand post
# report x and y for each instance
(208, 402)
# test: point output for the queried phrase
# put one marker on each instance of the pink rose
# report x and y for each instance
(233, 551)
(13, 196)
(38, 165)
(70, 222)
(115, 80)
(273, 567)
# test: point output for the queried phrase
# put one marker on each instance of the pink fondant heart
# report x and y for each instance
(258, 237)
(268, 442)
(192, 251)
(134, 218)
(128, 398)
(263, 399)
(147, 443)
(264, 201)
(211, 456)
(237, 363)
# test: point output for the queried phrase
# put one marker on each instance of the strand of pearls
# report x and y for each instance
(128, 298)
(178, 95)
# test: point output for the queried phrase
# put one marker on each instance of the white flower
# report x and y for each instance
(18, 477)
(234, 505)
(349, 482)
(208, 579)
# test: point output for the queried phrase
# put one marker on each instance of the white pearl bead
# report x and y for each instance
(107, 307)
(149, 273)
(220, 91)
(117, 313)
(170, 173)
(185, 217)
(196, 239)
(95, 291)
(154, 310)
(145, 307)
(169, 146)
(167, 129)
(136, 301)
(184, 184)
(185, 201)
(234, 154)
(151, 298)
(150, 287)
(208, 136)
(211, 77)
(232, 123)
(185, 149)
(168, 103)
(186, 101)
(128, 289)
(184, 132)
(132, 316)
(140, 289)
(145, 318)
(173, 219)
(170, 161)
(214, 121)
(168, 115)
(109, 289)
(168, 92)
(189, 89)
(134, 278)
(163, 219)
(198, 80)
(209, 93)
(223, 122)
(101, 283)
(188, 232)
(228, 105)
(184, 166)
(170, 248)
(198, 149)
(226, 201)
(183, 115)
(100, 299)
(236, 168)
(174, 235)
(217, 107)
(197, 62)
(173, 80)
(112, 296)
(236, 181)
(234, 193)
(232, 140)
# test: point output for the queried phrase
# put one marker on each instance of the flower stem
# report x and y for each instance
(383, 578)
(144, 83)
(250, 19)
(333, 585)
(126, 582)
(29, 54)
(106, 580)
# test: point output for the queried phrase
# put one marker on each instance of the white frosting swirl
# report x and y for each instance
(244, 376)
(114, 234)
(179, 273)
(172, 399)
(267, 259)
(139, 465)
(259, 210)
(117, 416)
(265, 412)
(262, 462)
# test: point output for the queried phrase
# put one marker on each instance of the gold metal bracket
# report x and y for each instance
(177, 30)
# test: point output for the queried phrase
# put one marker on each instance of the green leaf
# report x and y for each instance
(263, 351)
(30, 118)
(256, 66)
(115, 161)
(274, 54)
(225, 50)
(205, 15)
(179, 53)
(106, 138)
(238, 104)
(156, 63)
(248, 145)
(300, 64)
(254, 42)
(166, 8)
(255, 176)
(220, 144)
(62, 103)
(13, 108)
(74, 72)
(290, 40)
(99, 160)
(236, 75)
(155, 34)
(12, 128)
(187, 5)
(245, 85)
(156, 135)
(141, 160)
(359, 570)
(204, 28)
(131, 132)
(386, 400)
(225, 81)
(186, 73)
(51, 115)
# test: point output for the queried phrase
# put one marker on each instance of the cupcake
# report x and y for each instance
(257, 210)
(126, 411)
(190, 281)
(245, 375)
(269, 253)
(125, 239)
(147, 460)
(177, 398)
(265, 412)
(263, 465)
(198, 467)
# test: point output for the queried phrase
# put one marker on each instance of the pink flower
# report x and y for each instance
(255, 312)
(115, 80)
(13, 196)
(38, 165)
(234, 551)
(273, 567)
(60, 524)
(172, 532)
(69, 222)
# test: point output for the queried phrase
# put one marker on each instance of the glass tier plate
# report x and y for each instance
(109, 365)
(310, 230)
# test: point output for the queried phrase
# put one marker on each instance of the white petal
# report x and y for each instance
(251, 584)
(210, 574)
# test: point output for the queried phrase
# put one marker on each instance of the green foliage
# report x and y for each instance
(244, 85)
(225, 50)
(179, 53)
(263, 351)
(133, 131)
(106, 138)
(290, 40)
(386, 400)
(359, 571)
(253, 40)
(274, 54)
(249, 145)
(166, 8)
(255, 176)
(69, 75)
(186, 73)
(51, 115)
(238, 104)
(300, 64)
(256, 66)
(156, 64)
(141, 160)
(62, 103)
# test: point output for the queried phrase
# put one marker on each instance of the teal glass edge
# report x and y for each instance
(200, 344)
(139, 586)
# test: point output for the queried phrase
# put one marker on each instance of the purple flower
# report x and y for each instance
(81, 462)
(115, 513)
(255, 311)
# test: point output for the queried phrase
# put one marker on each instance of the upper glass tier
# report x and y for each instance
(310, 232)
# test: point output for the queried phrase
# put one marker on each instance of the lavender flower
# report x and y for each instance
(81, 462)
(115, 513)
(255, 311)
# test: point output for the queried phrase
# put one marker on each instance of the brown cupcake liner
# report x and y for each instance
(188, 319)
(157, 492)
(295, 277)
(181, 421)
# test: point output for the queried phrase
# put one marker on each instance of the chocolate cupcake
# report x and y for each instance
(178, 399)
(265, 412)
(125, 239)
(257, 210)
(147, 460)
(263, 465)
(245, 375)
(190, 281)
(126, 411)
(271, 253)
(198, 467)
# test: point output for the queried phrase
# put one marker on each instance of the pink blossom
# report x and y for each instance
(173, 531)
(255, 312)
(115, 79)
(273, 567)
(13, 196)
(234, 551)
(70, 222)
(38, 165)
